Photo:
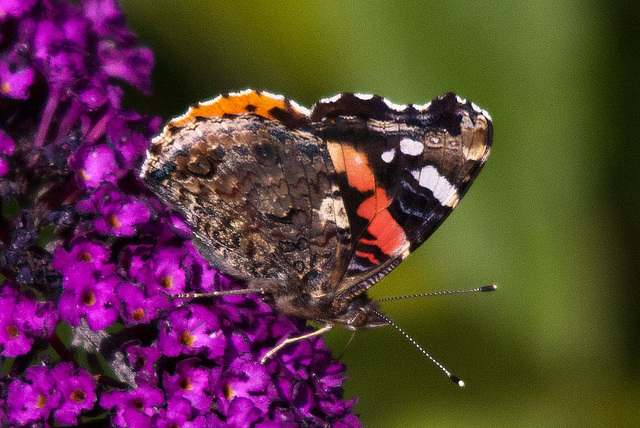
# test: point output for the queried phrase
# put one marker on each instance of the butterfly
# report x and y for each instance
(312, 207)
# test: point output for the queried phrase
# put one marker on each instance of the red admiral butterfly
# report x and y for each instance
(313, 207)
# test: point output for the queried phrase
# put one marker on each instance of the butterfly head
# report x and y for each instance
(361, 313)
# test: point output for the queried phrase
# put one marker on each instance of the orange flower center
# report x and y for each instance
(88, 298)
(138, 314)
(83, 174)
(13, 331)
(228, 392)
(85, 257)
(167, 282)
(113, 221)
(185, 384)
(187, 339)
(78, 396)
(41, 401)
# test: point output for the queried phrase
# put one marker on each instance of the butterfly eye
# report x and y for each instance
(359, 319)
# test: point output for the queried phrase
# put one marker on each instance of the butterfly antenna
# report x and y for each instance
(484, 289)
(389, 321)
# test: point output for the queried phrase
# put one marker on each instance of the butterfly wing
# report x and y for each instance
(258, 190)
(401, 171)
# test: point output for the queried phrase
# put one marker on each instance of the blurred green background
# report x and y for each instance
(553, 218)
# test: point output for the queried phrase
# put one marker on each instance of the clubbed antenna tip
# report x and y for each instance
(457, 381)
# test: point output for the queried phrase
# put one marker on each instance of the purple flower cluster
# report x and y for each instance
(89, 259)
(61, 390)
(22, 320)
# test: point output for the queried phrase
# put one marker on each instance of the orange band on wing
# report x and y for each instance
(388, 235)
(250, 101)
(367, 256)
(355, 164)
(374, 204)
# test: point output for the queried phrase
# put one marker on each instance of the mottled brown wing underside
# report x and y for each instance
(253, 215)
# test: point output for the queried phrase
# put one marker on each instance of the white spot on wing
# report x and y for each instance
(364, 97)
(429, 178)
(293, 104)
(388, 155)
(265, 93)
(325, 212)
(394, 106)
(332, 99)
(480, 110)
(332, 210)
(411, 147)
(423, 107)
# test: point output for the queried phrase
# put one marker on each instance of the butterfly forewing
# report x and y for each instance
(401, 171)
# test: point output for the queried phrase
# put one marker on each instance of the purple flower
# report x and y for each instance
(243, 413)
(133, 408)
(117, 213)
(189, 331)
(61, 45)
(244, 378)
(36, 319)
(167, 271)
(179, 414)
(92, 299)
(77, 392)
(349, 421)
(88, 244)
(143, 361)
(13, 341)
(33, 399)
(23, 319)
(132, 65)
(15, 83)
(137, 307)
(191, 382)
(83, 251)
(95, 165)
(15, 8)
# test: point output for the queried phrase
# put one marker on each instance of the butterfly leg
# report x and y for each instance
(286, 342)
